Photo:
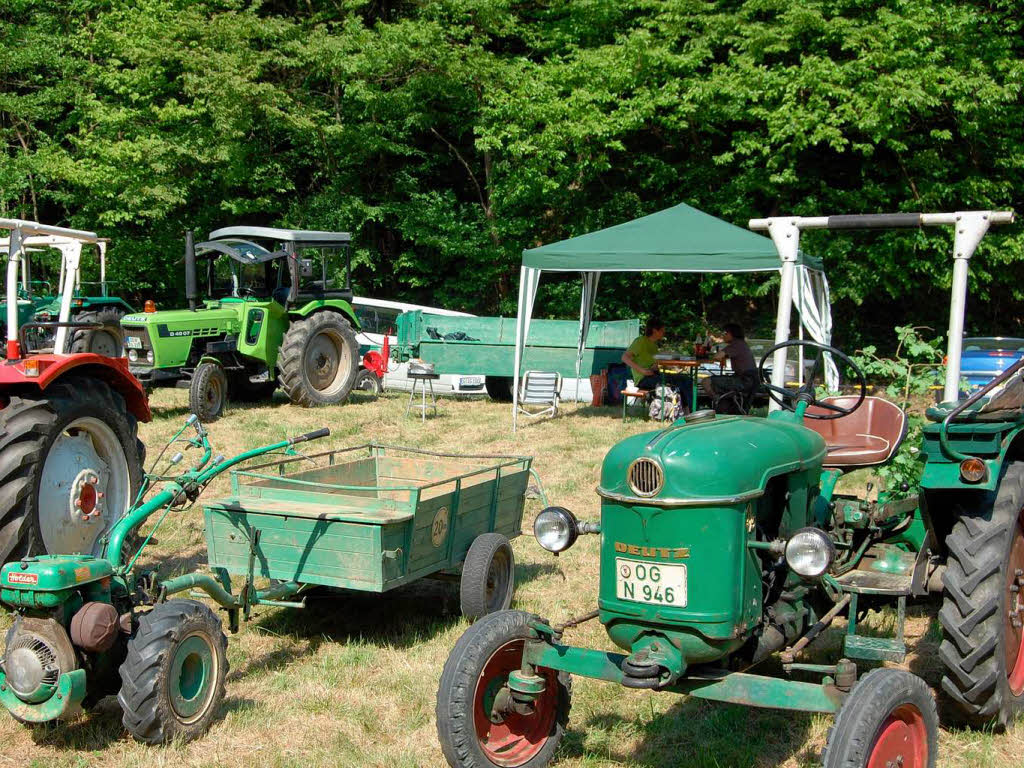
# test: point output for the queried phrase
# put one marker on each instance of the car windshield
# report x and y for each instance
(993, 344)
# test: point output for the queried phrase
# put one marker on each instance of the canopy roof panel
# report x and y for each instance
(677, 239)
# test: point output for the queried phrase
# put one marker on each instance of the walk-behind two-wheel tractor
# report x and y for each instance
(271, 316)
(70, 458)
(724, 543)
(368, 518)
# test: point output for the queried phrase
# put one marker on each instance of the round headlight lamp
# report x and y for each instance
(555, 529)
(133, 355)
(810, 552)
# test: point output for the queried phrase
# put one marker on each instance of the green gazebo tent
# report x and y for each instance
(677, 239)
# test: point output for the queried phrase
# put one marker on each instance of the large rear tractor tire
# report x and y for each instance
(319, 359)
(476, 725)
(70, 466)
(107, 341)
(208, 392)
(172, 680)
(982, 613)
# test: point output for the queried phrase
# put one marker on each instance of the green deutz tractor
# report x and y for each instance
(271, 316)
(99, 314)
(724, 543)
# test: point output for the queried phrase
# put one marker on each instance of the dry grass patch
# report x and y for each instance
(350, 681)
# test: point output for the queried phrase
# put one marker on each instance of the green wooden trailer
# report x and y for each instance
(372, 518)
(485, 346)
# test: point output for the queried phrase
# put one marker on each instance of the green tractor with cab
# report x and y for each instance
(724, 544)
(270, 315)
(98, 313)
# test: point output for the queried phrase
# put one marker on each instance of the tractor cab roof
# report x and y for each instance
(298, 238)
(243, 251)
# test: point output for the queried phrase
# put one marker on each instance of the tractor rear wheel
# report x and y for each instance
(172, 680)
(107, 341)
(70, 466)
(319, 359)
(208, 391)
(889, 719)
(982, 613)
(476, 724)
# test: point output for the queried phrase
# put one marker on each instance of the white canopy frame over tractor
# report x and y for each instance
(970, 228)
(26, 235)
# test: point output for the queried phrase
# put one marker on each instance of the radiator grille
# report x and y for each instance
(645, 477)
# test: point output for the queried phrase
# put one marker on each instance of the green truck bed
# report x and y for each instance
(485, 346)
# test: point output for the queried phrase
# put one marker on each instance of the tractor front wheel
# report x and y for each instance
(172, 681)
(477, 724)
(70, 466)
(982, 613)
(319, 359)
(208, 391)
(889, 719)
(107, 341)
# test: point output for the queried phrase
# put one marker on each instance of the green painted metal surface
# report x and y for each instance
(65, 702)
(989, 441)
(369, 523)
(54, 573)
(171, 332)
(489, 351)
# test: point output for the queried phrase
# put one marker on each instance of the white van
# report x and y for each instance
(379, 317)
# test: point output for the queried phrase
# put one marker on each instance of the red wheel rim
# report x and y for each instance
(902, 741)
(1014, 639)
(517, 738)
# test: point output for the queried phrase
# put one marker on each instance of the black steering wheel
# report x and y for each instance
(806, 393)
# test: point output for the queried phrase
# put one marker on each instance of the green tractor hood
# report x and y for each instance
(720, 457)
(164, 340)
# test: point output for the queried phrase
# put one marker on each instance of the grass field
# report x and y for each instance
(351, 682)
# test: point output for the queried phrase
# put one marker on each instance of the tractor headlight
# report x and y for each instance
(149, 356)
(555, 529)
(133, 355)
(810, 552)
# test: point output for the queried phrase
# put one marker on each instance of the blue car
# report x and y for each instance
(985, 357)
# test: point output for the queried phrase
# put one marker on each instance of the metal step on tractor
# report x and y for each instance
(70, 457)
(264, 311)
(724, 544)
(37, 300)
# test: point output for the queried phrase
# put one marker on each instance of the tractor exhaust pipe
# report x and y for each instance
(191, 283)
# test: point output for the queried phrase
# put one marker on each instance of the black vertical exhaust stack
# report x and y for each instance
(191, 284)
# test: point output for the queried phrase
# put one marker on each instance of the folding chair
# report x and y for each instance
(540, 388)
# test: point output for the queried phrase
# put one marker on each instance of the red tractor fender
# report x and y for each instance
(40, 371)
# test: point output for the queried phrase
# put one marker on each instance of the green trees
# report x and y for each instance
(449, 135)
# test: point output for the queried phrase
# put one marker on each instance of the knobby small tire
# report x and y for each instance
(108, 340)
(472, 734)
(319, 359)
(488, 576)
(172, 680)
(31, 426)
(889, 718)
(369, 382)
(982, 651)
(208, 391)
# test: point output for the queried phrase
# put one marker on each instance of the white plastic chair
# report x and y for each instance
(540, 388)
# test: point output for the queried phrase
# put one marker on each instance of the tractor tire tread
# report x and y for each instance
(290, 358)
(971, 617)
(109, 316)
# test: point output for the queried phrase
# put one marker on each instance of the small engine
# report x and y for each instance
(38, 652)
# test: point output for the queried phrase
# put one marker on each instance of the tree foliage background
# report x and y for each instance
(447, 135)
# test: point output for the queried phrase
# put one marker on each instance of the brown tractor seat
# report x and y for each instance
(869, 436)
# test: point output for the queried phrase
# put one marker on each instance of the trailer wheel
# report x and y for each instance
(499, 388)
(107, 341)
(74, 442)
(889, 719)
(473, 726)
(208, 391)
(983, 607)
(172, 681)
(369, 382)
(319, 359)
(488, 576)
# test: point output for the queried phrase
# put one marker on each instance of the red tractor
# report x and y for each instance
(70, 457)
